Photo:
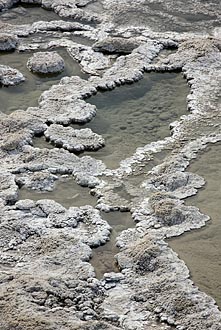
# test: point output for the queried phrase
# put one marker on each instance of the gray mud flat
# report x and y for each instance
(201, 249)
(26, 94)
(134, 115)
(40, 142)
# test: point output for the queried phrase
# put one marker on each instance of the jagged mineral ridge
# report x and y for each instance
(46, 279)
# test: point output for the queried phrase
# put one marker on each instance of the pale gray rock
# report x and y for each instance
(58, 25)
(73, 12)
(89, 181)
(10, 76)
(41, 181)
(169, 215)
(46, 62)
(58, 161)
(7, 41)
(117, 45)
(34, 241)
(91, 62)
(181, 184)
(63, 104)
(74, 140)
(129, 68)
(18, 129)
(153, 271)
(8, 187)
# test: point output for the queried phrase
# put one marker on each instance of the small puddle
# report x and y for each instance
(201, 249)
(28, 14)
(66, 192)
(79, 39)
(27, 93)
(136, 114)
(40, 142)
(103, 258)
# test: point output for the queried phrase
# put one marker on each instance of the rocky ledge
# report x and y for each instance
(10, 76)
(46, 62)
(74, 140)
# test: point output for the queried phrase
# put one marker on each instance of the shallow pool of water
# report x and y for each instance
(67, 192)
(27, 93)
(28, 14)
(40, 142)
(103, 258)
(136, 114)
(201, 249)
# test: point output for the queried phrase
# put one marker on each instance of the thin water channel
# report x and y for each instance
(201, 249)
(27, 93)
(103, 258)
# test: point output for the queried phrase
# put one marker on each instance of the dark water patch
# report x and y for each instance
(103, 258)
(40, 142)
(80, 39)
(201, 249)
(134, 115)
(66, 192)
(26, 94)
(28, 14)
(31, 13)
